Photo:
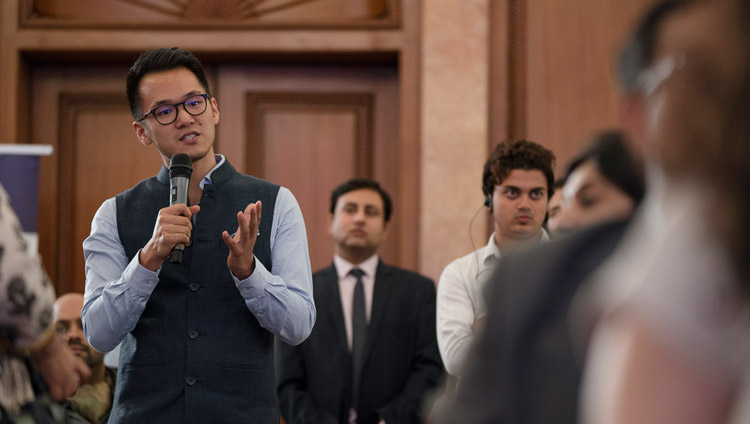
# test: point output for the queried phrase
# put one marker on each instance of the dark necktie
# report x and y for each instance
(359, 333)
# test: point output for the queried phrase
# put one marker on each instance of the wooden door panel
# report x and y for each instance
(106, 159)
(310, 129)
(311, 152)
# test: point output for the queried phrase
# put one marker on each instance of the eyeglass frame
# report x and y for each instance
(651, 78)
(205, 96)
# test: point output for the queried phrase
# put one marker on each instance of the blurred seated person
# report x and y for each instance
(526, 366)
(603, 184)
(93, 401)
(35, 367)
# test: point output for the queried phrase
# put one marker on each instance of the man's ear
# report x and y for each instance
(141, 133)
(330, 223)
(215, 110)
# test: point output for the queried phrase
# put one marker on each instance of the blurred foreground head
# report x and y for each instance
(682, 71)
(685, 74)
(605, 183)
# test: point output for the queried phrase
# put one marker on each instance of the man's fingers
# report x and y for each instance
(175, 234)
(228, 240)
(252, 206)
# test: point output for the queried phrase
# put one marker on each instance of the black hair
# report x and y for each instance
(610, 153)
(360, 183)
(730, 173)
(559, 183)
(638, 52)
(517, 154)
(160, 60)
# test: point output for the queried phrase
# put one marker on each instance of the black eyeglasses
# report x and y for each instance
(166, 114)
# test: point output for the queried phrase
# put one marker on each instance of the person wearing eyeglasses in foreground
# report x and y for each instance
(671, 344)
(197, 336)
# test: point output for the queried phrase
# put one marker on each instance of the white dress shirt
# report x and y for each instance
(461, 301)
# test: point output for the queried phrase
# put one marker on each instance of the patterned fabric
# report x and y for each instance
(92, 402)
(26, 299)
(26, 295)
(23, 397)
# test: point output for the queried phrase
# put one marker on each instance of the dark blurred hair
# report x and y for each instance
(559, 183)
(160, 60)
(731, 174)
(610, 153)
(517, 154)
(638, 52)
(359, 183)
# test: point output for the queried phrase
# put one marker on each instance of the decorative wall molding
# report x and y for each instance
(260, 103)
(517, 51)
(211, 14)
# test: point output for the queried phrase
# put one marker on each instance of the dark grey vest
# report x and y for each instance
(197, 354)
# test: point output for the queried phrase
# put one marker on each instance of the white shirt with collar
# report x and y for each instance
(461, 301)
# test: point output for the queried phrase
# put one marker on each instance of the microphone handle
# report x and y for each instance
(178, 187)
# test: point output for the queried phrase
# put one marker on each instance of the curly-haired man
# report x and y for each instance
(517, 184)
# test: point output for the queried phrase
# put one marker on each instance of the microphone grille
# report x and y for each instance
(180, 164)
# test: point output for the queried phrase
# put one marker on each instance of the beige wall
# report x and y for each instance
(455, 89)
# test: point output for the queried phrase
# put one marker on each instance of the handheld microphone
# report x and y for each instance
(180, 168)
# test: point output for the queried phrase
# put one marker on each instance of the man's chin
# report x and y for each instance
(526, 232)
(198, 156)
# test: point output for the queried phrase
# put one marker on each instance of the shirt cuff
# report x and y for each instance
(254, 285)
(141, 279)
(253, 290)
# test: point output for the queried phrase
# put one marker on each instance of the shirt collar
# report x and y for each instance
(343, 266)
(207, 179)
(492, 252)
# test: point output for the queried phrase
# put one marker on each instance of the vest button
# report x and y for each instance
(190, 380)
(194, 286)
(192, 334)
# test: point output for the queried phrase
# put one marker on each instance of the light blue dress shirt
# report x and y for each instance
(117, 290)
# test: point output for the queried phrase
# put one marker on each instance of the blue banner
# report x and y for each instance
(19, 175)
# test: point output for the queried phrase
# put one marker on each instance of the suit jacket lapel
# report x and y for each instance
(330, 291)
(380, 296)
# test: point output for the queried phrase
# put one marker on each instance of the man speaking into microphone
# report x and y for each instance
(197, 333)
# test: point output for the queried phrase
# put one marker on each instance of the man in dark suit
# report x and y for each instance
(372, 356)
